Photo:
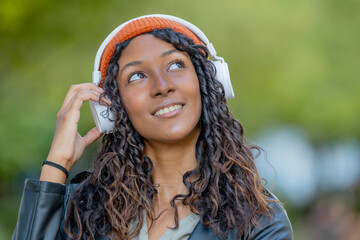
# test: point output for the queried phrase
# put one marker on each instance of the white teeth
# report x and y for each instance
(167, 110)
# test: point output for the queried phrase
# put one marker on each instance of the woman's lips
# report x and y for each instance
(168, 109)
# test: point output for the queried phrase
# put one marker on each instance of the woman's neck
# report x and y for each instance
(170, 162)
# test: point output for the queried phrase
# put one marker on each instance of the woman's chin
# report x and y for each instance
(175, 136)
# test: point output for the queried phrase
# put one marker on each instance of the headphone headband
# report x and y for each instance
(97, 77)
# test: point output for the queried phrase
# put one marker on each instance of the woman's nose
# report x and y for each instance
(162, 85)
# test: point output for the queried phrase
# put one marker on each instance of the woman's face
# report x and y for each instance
(159, 89)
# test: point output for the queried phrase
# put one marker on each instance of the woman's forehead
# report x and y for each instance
(146, 46)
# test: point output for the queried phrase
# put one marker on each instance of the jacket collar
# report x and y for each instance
(202, 232)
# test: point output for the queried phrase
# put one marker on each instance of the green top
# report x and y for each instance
(186, 227)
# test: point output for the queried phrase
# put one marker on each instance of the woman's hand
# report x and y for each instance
(68, 145)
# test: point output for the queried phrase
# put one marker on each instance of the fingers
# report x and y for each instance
(68, 146)
(81, 96)
(83, 86)
(69, 116)
(72, 107)
(80, 88)
(91, 136)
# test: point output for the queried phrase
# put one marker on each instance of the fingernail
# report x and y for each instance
(105, 100)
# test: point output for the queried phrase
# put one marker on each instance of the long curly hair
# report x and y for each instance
(224, 189)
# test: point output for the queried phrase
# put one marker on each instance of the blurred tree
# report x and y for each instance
(291, 62)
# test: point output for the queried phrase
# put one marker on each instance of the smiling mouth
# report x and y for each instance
(166, 110)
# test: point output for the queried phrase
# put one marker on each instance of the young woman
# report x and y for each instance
(175, 165)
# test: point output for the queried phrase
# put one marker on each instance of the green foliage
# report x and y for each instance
(291, 62)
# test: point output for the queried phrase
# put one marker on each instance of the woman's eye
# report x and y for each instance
(176, 65)
(136, 76)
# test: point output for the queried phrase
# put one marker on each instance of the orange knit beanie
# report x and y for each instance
(138, 27)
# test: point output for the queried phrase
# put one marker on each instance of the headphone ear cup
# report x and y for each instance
(223, 76)
(102, 117)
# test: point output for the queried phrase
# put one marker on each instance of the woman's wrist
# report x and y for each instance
(60, 161)
(52, 174)
(58, 166)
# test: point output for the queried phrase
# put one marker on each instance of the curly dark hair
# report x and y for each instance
(224, 189)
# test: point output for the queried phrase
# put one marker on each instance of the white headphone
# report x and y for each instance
(99, 112)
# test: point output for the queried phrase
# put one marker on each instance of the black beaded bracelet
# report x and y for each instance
(57, 166)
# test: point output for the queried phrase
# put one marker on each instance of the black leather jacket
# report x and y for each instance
(43, 206)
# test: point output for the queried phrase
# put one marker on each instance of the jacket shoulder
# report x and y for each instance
(75, 184)
(274, 226)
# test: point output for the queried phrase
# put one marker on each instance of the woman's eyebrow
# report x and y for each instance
(164, 54)
(167, 53)
(134, 63)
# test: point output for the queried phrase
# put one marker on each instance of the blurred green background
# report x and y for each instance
(293, 64)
